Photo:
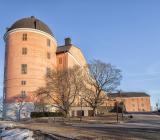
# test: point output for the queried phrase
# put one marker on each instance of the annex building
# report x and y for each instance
(133, 101)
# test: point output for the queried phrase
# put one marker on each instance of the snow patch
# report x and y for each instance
(16, 134)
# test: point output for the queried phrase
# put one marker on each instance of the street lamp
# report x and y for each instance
(122, 102)
(116, 105)
(81, 109)
(117, 110)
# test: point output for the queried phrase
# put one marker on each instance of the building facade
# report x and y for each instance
(133, 101)
(30, 51)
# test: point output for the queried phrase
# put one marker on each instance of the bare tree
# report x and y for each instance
(102, 78)
(20, 104)
(40, 102)
(63, 87)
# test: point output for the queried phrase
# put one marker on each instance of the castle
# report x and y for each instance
(30, 51)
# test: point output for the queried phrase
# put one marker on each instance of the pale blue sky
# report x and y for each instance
(125, 33)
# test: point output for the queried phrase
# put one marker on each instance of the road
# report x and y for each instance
(141, 127)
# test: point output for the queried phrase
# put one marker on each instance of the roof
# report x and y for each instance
(129, 94)
(62, 49)
(31, 22)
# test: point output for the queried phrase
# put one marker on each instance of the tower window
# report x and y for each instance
(48, 55)
(24, 37)
(23, 82)
(23, 94)
(48, 42)
(60, 60)
(24, 51)
(24, 68)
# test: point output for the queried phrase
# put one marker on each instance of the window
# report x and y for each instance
(142, 105)
(23, 94)
(48, 42)
(48, 55)
(24, 68)
(24, 51)
(132, 99)
(23, 82)
(24, 37)
(133, 105)
(60, 60)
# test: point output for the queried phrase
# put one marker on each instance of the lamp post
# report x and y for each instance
(117, 110)
(116, 104)
(122, 102)
(81, 109)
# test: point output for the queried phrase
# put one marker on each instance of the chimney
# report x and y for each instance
(67, 41)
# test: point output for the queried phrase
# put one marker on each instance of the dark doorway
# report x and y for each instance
(80, 113)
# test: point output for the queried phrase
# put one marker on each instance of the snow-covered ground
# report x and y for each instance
(15, 133)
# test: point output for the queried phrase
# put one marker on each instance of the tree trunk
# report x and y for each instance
(94, 111)
(67, 115)
(19, 115)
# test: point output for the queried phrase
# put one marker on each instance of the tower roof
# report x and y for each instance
(31, 22)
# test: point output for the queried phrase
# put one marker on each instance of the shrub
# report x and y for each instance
(46, 114)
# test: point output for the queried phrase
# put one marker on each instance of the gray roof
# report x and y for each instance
(62, 49)
(31, 22)
(129, 94)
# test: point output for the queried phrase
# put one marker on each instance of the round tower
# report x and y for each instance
(30, 53)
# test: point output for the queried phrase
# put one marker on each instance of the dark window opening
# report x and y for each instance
(24, 68)
(24, 37)
(80, 113)
(23, 94)
(23, 82)
(24, 51)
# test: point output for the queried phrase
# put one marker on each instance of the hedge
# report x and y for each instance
(46, 114)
